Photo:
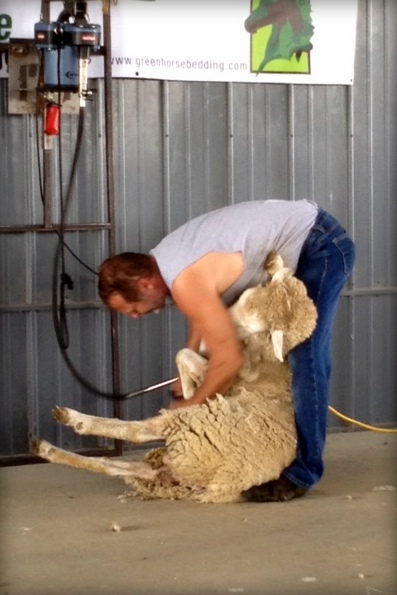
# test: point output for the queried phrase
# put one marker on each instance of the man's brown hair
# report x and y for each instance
(119, 274)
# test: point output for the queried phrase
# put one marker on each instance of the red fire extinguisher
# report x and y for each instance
(52, 119)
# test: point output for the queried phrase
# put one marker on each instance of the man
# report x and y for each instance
(205, 265)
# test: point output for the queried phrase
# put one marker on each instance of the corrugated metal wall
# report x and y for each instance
(182, 149)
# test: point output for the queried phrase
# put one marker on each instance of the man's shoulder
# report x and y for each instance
(214, 272)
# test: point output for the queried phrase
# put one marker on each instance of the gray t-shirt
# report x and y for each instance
(253, 228)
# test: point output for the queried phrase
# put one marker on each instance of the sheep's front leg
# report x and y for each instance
(213, 494)
(104, 465)
(137, 432)
(192, 368)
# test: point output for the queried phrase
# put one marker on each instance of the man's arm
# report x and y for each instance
(195, 294)
(194, 338)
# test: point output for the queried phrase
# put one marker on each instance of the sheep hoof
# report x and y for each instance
(35, 445)
(65, 416)
(41, 448)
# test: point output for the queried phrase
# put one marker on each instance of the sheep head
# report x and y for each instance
(277, 316)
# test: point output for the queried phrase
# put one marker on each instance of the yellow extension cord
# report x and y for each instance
(361, 424)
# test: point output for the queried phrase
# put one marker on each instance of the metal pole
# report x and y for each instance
(110, 189)
(47, 143)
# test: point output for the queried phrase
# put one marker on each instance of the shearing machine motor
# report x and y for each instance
(66, 45)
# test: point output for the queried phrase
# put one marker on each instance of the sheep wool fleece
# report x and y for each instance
(253, 228)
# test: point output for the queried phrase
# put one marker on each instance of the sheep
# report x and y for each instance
(215, 451)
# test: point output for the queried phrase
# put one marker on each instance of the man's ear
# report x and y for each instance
(144, 283)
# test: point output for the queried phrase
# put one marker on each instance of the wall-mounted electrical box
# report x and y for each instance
(23, 76)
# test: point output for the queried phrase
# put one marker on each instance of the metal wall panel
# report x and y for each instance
(181, 149)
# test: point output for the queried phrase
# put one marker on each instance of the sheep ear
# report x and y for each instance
(273, 263)
(277, 341)
(282, 274)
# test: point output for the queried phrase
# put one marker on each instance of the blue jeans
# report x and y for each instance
(324, 265)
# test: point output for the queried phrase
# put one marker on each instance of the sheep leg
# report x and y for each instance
(192, 368)
(104, 465)
(212, 494)
(137, 432)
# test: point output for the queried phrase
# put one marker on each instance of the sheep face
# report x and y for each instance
(275, 317)
(270, 320)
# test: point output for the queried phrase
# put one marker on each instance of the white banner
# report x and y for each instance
(259, 41)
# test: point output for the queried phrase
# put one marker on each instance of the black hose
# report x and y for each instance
(59, 311)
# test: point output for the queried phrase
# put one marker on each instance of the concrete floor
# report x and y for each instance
(56, 535)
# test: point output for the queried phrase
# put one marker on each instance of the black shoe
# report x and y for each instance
(278, 490)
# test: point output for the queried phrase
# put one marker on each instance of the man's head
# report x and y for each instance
(131, 284)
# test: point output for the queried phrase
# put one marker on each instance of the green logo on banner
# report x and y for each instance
(281, 32)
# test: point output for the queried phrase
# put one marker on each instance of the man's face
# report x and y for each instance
(151, 301)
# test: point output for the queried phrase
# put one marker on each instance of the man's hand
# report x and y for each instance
(197, 399)
(176, 389)
(179, 402)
